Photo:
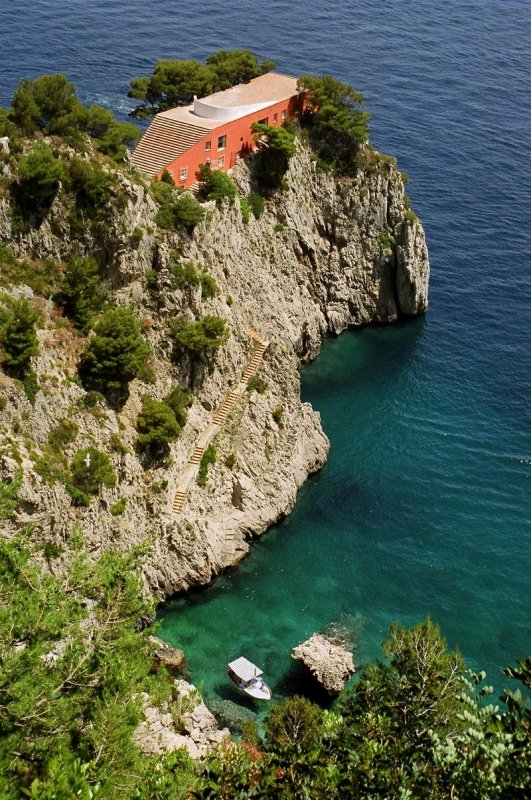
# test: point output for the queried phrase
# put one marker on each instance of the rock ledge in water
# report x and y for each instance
(329, 662)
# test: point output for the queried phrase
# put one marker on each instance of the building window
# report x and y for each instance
(263, 121)
(183, 173)
(283, 116)
(208, 145)
(222, 142)
(221, 162)
(275, 119)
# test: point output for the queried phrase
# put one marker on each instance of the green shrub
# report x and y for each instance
(9, 501)
(115, 355)
(209, 457)
(188, 212)
(198, 337)
(386, 241)
(3, 402)
(229, 300)
(277, 414)
(167, 177)
(30, 384)
(92, 398)
(175, 207)
(18, 324)
(230, 461)
(63, 434)
(119, 507)
(41, 275)
(275, 148)
(136, 237)
(92, 187)
(156, 424)
(91, 469)
(39, 174)
(215, 185)
(279, 227)
(117, 446)
(183, 273)
(209, 287)
(81, 293)
(256, 204)
(179, 401)
(52, 466)
(410, 216)
(245, 209)
(80, 498)
(335, 121)
(256, 384)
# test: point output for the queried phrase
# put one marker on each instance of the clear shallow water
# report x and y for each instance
(424, 503)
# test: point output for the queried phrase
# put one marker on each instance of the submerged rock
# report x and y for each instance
(329, 662)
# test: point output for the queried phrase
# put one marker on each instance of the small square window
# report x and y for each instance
(275, 119)
(183, 173)
(221, 162)
(208, 145)
(263, 121)
(283, 116)
(222, 142)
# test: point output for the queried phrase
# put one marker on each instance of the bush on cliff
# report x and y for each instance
(115, 354)
(81, 293)
(18, 335)
(91, 469)
(335, 120)
(275, 148)
(199, 337)
(215, 185)
(156, 424)
(49, 104)
(175, 206)
(39, 174)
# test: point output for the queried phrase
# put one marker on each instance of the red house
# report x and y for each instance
(215, 130)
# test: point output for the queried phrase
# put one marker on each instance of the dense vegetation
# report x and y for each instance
(49, 105)
(335, 121)
(174, 83)
(115, 354)
(73, 666)
(275, 148)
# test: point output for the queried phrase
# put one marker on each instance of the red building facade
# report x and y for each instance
(215, 130)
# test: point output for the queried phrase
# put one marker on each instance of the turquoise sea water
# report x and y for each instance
(423, 506)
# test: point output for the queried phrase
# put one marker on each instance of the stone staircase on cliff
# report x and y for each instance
(218, 420)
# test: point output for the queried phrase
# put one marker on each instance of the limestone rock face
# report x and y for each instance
(329, 662)
(196, 730)
(326, 254)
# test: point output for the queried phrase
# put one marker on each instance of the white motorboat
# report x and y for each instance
(246, 676)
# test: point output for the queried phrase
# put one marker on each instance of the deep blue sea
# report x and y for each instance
(424, 504)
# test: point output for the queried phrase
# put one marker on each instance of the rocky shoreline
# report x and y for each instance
(326, 254)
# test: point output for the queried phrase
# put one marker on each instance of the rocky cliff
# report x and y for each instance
(326, 254)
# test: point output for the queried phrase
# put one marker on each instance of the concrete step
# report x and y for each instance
(178, 502)
(195, 458)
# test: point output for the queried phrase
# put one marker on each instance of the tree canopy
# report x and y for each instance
(175, 82)
(335, 119)
(275, 148)
(49, 104)
(115, 354)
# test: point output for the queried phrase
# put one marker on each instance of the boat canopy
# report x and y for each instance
(245, 669)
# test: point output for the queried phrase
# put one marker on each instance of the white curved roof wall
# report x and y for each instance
(207, 110)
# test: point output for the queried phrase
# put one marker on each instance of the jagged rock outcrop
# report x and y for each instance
(192, 726)
(329, 661)
(326, 254)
